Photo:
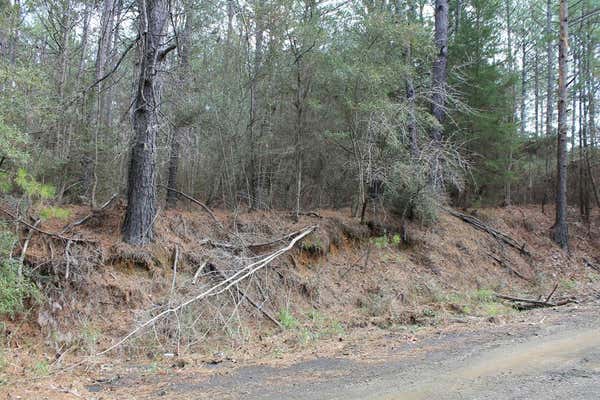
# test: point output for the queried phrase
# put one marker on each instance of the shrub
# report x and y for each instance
(15, 290)
(54, 212)
(286, 319)
(411, 196)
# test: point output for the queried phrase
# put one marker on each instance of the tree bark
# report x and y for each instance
(184, 44)
(439, 67)
(550, 82)
(439, 78)
(560, 229)
(141, 190)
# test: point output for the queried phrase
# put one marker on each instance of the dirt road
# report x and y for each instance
(551, 354)
(543, 354)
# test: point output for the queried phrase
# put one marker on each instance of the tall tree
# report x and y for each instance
(439, 82)
(141, 183)
(184, 43)
(560, 229)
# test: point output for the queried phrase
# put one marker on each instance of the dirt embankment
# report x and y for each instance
(344, 282)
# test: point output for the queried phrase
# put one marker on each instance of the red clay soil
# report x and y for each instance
(344, 282)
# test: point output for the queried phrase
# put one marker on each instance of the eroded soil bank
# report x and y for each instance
(386, 294)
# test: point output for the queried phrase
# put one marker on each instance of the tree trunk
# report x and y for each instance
(560, 234)
(523, 82)
(141, 190)
(439, 67)
(550, 83)
(438, 98)
(184, 43)
(537, 93)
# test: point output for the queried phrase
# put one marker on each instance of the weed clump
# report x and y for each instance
(15, 290)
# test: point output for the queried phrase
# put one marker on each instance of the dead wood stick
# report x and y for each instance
(219, 288)
(224, 245)
(504, 264)
(491, 231)
(175, 260)
(552, 293)
(275, 241)
(539, 303)
(250, 300)
(197, 202)
(310, 214)
(198, 272)
(591, 265)
(25, 246)
(70, 226)
(18, 220)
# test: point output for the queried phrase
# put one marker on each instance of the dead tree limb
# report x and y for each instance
(247, 297)
(219, 288)
(536, 303)
(19, 220)
(505, 265)
(590, 264)
(197, 202)
(478, 224)
(83, 220)
(25, 246)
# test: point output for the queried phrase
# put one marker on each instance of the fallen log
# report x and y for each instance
(536, 303)
(501, 236)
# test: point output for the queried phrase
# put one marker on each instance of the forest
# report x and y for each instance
(300, 105)
(118, 117)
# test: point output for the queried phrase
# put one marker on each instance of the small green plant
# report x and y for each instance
(89, 337)
(41, 368)
(33, 188)
(54, 212)
(380, 242)
(429, 313)
(484, 296)
(312, 245)
(568, 284)
(286, 319)
(15, 290)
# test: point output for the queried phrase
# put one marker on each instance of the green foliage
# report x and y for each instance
(33, 188)
(384, 241)
(54, 212)
(286, 319)
(15, 290)
(41, 368)
(13, 143)
(484, 296)
(410, 194)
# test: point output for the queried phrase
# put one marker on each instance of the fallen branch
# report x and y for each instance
(247, 297)
(552, 292)
(217, 289)
(198, 272)
(175, 260)
(505, 265)
(230, 246)
(197, 202)
(488, 229)
(536, 303)
(83, 220)
(26, 245)
(18, 220)
(590, 264)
